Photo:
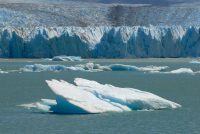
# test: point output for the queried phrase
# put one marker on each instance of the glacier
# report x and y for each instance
(87, 96)
(100, 41)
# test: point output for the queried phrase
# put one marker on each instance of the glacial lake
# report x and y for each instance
(18, 87)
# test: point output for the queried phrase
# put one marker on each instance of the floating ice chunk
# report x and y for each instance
(66, 58)
(152, 68)
(133, 98)
(92, 97)
(182, 70)
(40, 68)
(195, 62)
(47, 59)
(121, 67)
(89, 67)
(43, 105)
(72, 99)
(93, 67)
(179, 71)
(3, 72)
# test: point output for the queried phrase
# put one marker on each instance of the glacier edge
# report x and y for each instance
(100, 42)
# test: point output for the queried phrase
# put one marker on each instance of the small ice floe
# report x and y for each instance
(41, 68)
(66, 58)
(3, 72)
(122, 67)
(179, 71)
(182, 70)
(87, 96)
(47, 59)
(92, 67)
(195, 62)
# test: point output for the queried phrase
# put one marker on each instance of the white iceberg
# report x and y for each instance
(3, 72)
(92, 97)
(92, 67)
(66, 58)
(182, 70)
(195, 62)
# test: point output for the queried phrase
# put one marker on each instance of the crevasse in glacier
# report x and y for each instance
(88, 96)
(102, 41)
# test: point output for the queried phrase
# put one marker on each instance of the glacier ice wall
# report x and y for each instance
(100, 42)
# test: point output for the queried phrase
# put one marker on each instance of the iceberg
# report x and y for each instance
(179, 71)
(182, 70)
(195, 62)
(3, 72)
(86, 96)
(66, 58)
(88, 67)
(92, 67)
(122, 67)
(40, 68)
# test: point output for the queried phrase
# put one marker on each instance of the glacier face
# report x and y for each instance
(88, 96)
(100, 42)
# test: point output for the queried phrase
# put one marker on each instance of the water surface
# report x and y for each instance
(18, 88)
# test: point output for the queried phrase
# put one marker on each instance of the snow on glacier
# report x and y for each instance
(86, 96)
